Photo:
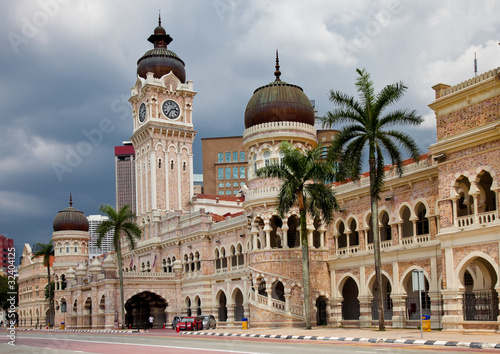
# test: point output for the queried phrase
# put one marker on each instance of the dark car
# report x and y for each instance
(208, 321)
(174, 322)
(189, 323)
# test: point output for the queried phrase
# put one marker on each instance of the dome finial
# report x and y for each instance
(277, 73)
(159, 17)
(70, 200)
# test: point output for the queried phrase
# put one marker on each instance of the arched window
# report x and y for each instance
(422, 222)
(267, 157)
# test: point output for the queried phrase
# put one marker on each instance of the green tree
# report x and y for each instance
(370, 130)
(50, 292)
(302, 175)
(46, 250)
(123, 224)
(5, 289)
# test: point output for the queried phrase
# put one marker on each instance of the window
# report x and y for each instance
(228, 184)
(235, 156)
(220, 157)
(235, 184)
(235, 192)
(172, 165)
(76, 248)
(267, 157)
(67, 247)
(281, 154)
(242, 183)
(242, 156)
(235, 172)
(220, 173)
(221, 185)
(221, 192)
(228, 157)
(159, 163)
(242, 172)
(184, 166)
(228, 192)
(254, 163)
(228, 172)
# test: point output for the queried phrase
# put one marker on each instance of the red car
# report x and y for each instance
(189, 324)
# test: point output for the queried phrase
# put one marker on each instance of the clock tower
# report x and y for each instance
(162, 107)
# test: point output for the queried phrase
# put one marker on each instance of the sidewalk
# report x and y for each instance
(477, 339)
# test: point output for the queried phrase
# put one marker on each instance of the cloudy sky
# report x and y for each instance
(67, 68)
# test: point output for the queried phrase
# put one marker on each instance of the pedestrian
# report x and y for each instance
(151, 319)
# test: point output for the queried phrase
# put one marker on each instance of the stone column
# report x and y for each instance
(365, 311)
(398, 310)
(284, 228)
(269, 298)
(453, 309)
(255, 233)
(336, 312)
(267, 230)
(287, 302)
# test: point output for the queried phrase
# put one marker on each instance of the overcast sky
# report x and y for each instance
(68, 66)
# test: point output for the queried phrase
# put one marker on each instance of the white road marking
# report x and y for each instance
(148, 345)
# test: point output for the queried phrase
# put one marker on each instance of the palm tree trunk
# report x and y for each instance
(50, 295)
(120, 275)
(376, 243)
(305, 262)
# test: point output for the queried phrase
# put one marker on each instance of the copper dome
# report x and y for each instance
(159, 60)
(70, 219)
(278, 101)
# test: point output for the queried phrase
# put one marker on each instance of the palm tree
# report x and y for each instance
(303, 176)
(46, 250)
(369, 129)
(122, 223)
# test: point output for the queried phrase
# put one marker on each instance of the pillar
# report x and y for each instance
(284, 228)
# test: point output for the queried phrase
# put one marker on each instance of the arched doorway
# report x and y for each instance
(386, 299)
(87, 313)
(139, 307)
(350, 304)
(480, 300)
(293, 233)
(238, 305)
(222, 307)
(321, 313)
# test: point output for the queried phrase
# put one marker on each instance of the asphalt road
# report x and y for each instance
(62, 343)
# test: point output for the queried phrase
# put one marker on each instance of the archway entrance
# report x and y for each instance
(321, 313)
(350, 305)
(238, 306)
(139, 307)
(87, 313)
(222, 307)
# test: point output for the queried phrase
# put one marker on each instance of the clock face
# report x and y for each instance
(142, 112)
(171, 109)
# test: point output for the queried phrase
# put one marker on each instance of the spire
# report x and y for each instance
(159, 18)
(277, 73)
(70, 200)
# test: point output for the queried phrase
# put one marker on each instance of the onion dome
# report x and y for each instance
(109, 263)
(159, 60)
(278, 101)
(70, 274)
(95, 267)
(81, 270)
(70, 219)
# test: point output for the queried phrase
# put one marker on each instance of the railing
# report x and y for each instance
(261, 299)
(467, 220)
(480, 305)
(278, 305)
(148, 275)
(485, 218)
(221, 271)
(348, 250)
(297, 310)
(409, 240)
(383, 245)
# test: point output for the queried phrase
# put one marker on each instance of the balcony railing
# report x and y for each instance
(482, 218)
(348, 250)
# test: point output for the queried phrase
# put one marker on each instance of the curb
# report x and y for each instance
(78, 330)
(473, 345)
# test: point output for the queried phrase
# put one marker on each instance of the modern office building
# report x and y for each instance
(125, 181)
(107, 242)
(224, 165)
(6, 247)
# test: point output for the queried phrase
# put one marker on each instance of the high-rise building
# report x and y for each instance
(106, 244)
(125, 176)
(5, 245)
(224, 165)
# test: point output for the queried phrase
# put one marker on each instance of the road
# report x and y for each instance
(172, 343)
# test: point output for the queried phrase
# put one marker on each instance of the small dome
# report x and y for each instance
(278, 101)
(159, 60)
(70, 219)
